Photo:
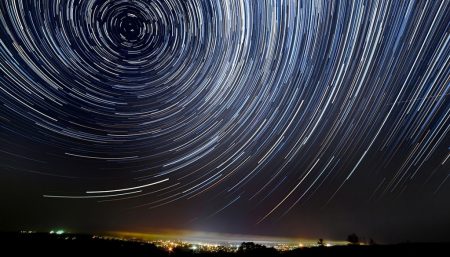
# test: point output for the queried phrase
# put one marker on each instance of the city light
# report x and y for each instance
(57, 232)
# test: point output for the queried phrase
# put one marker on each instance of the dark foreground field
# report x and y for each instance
(41, 244)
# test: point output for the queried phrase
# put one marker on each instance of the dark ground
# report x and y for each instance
(44, 244)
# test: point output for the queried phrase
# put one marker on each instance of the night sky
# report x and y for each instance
(264, 117)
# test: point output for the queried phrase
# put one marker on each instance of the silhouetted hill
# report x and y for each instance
(44, 244)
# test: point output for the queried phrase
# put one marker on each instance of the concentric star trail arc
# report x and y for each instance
(266, 101)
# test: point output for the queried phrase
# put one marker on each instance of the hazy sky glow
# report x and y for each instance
(282, 118)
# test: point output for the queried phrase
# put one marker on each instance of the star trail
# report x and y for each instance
(256, 108)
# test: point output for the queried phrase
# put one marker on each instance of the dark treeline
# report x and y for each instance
(43, 244)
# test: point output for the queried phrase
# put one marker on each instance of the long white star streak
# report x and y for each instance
(106, 193)
(266, 101)
(126, 189)
(90, 196)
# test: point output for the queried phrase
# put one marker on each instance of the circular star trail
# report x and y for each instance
(267, 102)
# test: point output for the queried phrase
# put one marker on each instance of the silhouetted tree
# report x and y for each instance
(320, 242)
(353, 239)
(182, 251)
(252, 249)
(250, 246)
(372, 242)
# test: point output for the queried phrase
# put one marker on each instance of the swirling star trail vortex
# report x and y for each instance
(267, 102)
